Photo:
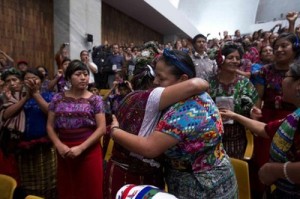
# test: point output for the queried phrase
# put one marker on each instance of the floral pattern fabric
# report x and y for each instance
(197, 125)
(71, 113)
(273, 91)
(244, 96)
(242, 90)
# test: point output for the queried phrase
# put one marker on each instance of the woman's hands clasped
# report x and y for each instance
(32, 86)
(67, 152)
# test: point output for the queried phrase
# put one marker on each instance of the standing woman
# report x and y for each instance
(266, 57)
(143, 106)
(76, 121)
(46, 81)
(286, 50)
(232, 91)
(189, 134)
(283, 166)
(37, 161)
(12, 125)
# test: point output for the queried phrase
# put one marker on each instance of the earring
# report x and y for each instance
(220, 58)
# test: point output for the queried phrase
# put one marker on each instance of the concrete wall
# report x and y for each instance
(73, 20)
(167, 9)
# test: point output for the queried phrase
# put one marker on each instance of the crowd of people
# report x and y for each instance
(176, 113)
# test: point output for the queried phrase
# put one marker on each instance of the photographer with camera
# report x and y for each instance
(119, 90)
(116, 62)
(100, 56)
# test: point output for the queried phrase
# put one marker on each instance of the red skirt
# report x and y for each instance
(9, 166)
(81, 177)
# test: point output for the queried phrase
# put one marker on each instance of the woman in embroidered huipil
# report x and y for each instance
(286, 49)
(189, 134)
(76, 121)
(35, 153)
(37, 159)
(144, 108)
(284, 165)
(232, 91)
(12, 125)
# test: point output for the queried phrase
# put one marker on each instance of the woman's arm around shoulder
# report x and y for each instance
(181, 91)
(256, 127)
(152, 146)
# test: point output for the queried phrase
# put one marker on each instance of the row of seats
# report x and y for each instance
(8, 186)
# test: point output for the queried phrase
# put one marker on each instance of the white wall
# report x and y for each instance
(85, 18)
(214, 16)
(171, 13)
(73, 19)
(268, 10)
(60, 24)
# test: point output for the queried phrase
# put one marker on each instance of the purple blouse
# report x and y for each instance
(71, 113)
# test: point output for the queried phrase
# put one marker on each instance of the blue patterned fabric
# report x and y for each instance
(197, 125)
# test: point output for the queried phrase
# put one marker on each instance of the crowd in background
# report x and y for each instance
(55, 124)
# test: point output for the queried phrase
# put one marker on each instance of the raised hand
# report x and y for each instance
(292, 16)
(60, 72)
(32, 85)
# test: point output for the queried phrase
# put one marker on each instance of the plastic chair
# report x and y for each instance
(104, 92)
(109, 150)
(242, 175)
(7, 186)
(250, 145)
(33, 197)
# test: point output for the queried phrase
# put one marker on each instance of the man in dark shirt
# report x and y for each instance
(116, 62)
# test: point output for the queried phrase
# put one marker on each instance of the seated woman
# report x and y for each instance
(189, 134)
(284, 165)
